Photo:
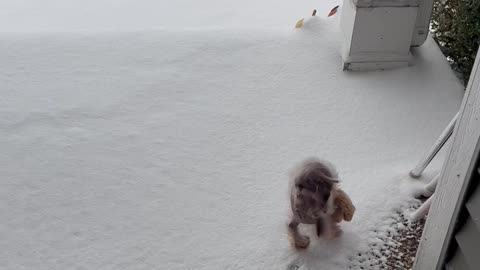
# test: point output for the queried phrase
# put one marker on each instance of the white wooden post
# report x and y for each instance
(454, 178)
(377, 34)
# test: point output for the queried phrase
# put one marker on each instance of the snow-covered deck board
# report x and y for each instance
(170, 149)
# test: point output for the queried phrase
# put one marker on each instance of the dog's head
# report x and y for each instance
(313, 184)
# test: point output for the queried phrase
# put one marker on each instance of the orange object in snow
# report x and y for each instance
(299, 24)
(333, 11)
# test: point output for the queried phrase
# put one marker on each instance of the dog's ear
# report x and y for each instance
(344, 203)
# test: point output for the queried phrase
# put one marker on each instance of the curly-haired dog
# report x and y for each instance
(316, 199)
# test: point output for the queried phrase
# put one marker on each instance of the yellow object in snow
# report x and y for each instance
(299, 23)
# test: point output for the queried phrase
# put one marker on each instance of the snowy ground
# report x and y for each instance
(169, 147)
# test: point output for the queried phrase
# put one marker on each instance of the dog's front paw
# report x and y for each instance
(338, 231)
(302, 242)
(334, 232)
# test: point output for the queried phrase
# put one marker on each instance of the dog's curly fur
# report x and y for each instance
(312, 200)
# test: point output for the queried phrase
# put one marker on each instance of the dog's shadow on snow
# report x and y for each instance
(323, 253)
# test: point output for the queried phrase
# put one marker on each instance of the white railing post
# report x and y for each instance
(454, 177)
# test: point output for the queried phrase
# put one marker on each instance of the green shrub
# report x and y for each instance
(456, 28)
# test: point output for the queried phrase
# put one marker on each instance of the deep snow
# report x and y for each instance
(170, 149)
